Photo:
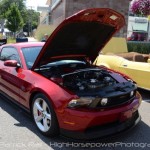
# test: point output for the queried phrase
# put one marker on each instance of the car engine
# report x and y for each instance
(77, 75)
(87, 79)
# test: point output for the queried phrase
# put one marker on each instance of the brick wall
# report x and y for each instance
(121, 6)
(69, 7)
(58, 14)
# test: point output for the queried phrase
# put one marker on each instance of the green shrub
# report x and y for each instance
(140, 47)
(11, 40)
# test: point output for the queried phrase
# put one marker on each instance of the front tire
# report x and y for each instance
(44, 116)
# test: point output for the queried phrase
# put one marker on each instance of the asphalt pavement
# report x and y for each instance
(17, 132)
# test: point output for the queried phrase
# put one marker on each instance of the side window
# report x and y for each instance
(9, 53)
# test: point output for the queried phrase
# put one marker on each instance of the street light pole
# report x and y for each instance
(30, 21)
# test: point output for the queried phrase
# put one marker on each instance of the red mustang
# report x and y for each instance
(58, 84)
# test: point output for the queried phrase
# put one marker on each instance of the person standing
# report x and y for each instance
(44, 39)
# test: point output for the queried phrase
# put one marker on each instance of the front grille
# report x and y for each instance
(118, 100)
(116, 124)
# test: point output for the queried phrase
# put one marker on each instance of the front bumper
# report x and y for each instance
(88, 125)
(105, 130)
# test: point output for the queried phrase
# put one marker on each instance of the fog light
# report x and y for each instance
(132, 93)
(104, 101)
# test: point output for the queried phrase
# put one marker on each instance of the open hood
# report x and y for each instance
(83, 34)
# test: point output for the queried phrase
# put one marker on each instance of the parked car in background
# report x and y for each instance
(134, 65)
(58, 84)
(137, 36)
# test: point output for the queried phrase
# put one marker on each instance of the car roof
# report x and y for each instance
(25, 44)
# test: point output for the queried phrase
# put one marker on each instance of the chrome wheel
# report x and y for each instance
(42, 114)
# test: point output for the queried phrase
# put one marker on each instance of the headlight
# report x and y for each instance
(82, 101)
(91, 102)
(104, 101)
(131, 93)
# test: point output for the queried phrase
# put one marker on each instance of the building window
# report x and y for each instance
(54, 3)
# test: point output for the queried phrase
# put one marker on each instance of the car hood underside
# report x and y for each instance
(83, 34)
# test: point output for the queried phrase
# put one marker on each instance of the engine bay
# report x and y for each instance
(77, 75)
(87, 79)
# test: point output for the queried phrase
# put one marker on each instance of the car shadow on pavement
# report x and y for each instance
(24, 120)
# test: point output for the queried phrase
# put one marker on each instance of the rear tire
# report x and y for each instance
(44, 116)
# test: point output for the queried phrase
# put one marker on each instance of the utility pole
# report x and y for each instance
(30, 21)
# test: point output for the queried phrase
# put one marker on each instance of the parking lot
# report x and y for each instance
(17, 131)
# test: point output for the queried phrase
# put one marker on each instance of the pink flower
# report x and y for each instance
(141, 7)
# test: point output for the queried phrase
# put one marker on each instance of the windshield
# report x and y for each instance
(30, 55)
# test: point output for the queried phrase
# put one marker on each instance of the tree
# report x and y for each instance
(14, 19)
(5, 5)
(31, 20)
(29, 16)
(141, 7)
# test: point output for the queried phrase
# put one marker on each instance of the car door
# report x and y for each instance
(9, 82)
(138, 71)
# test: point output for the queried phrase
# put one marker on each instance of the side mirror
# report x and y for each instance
(11, 63)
